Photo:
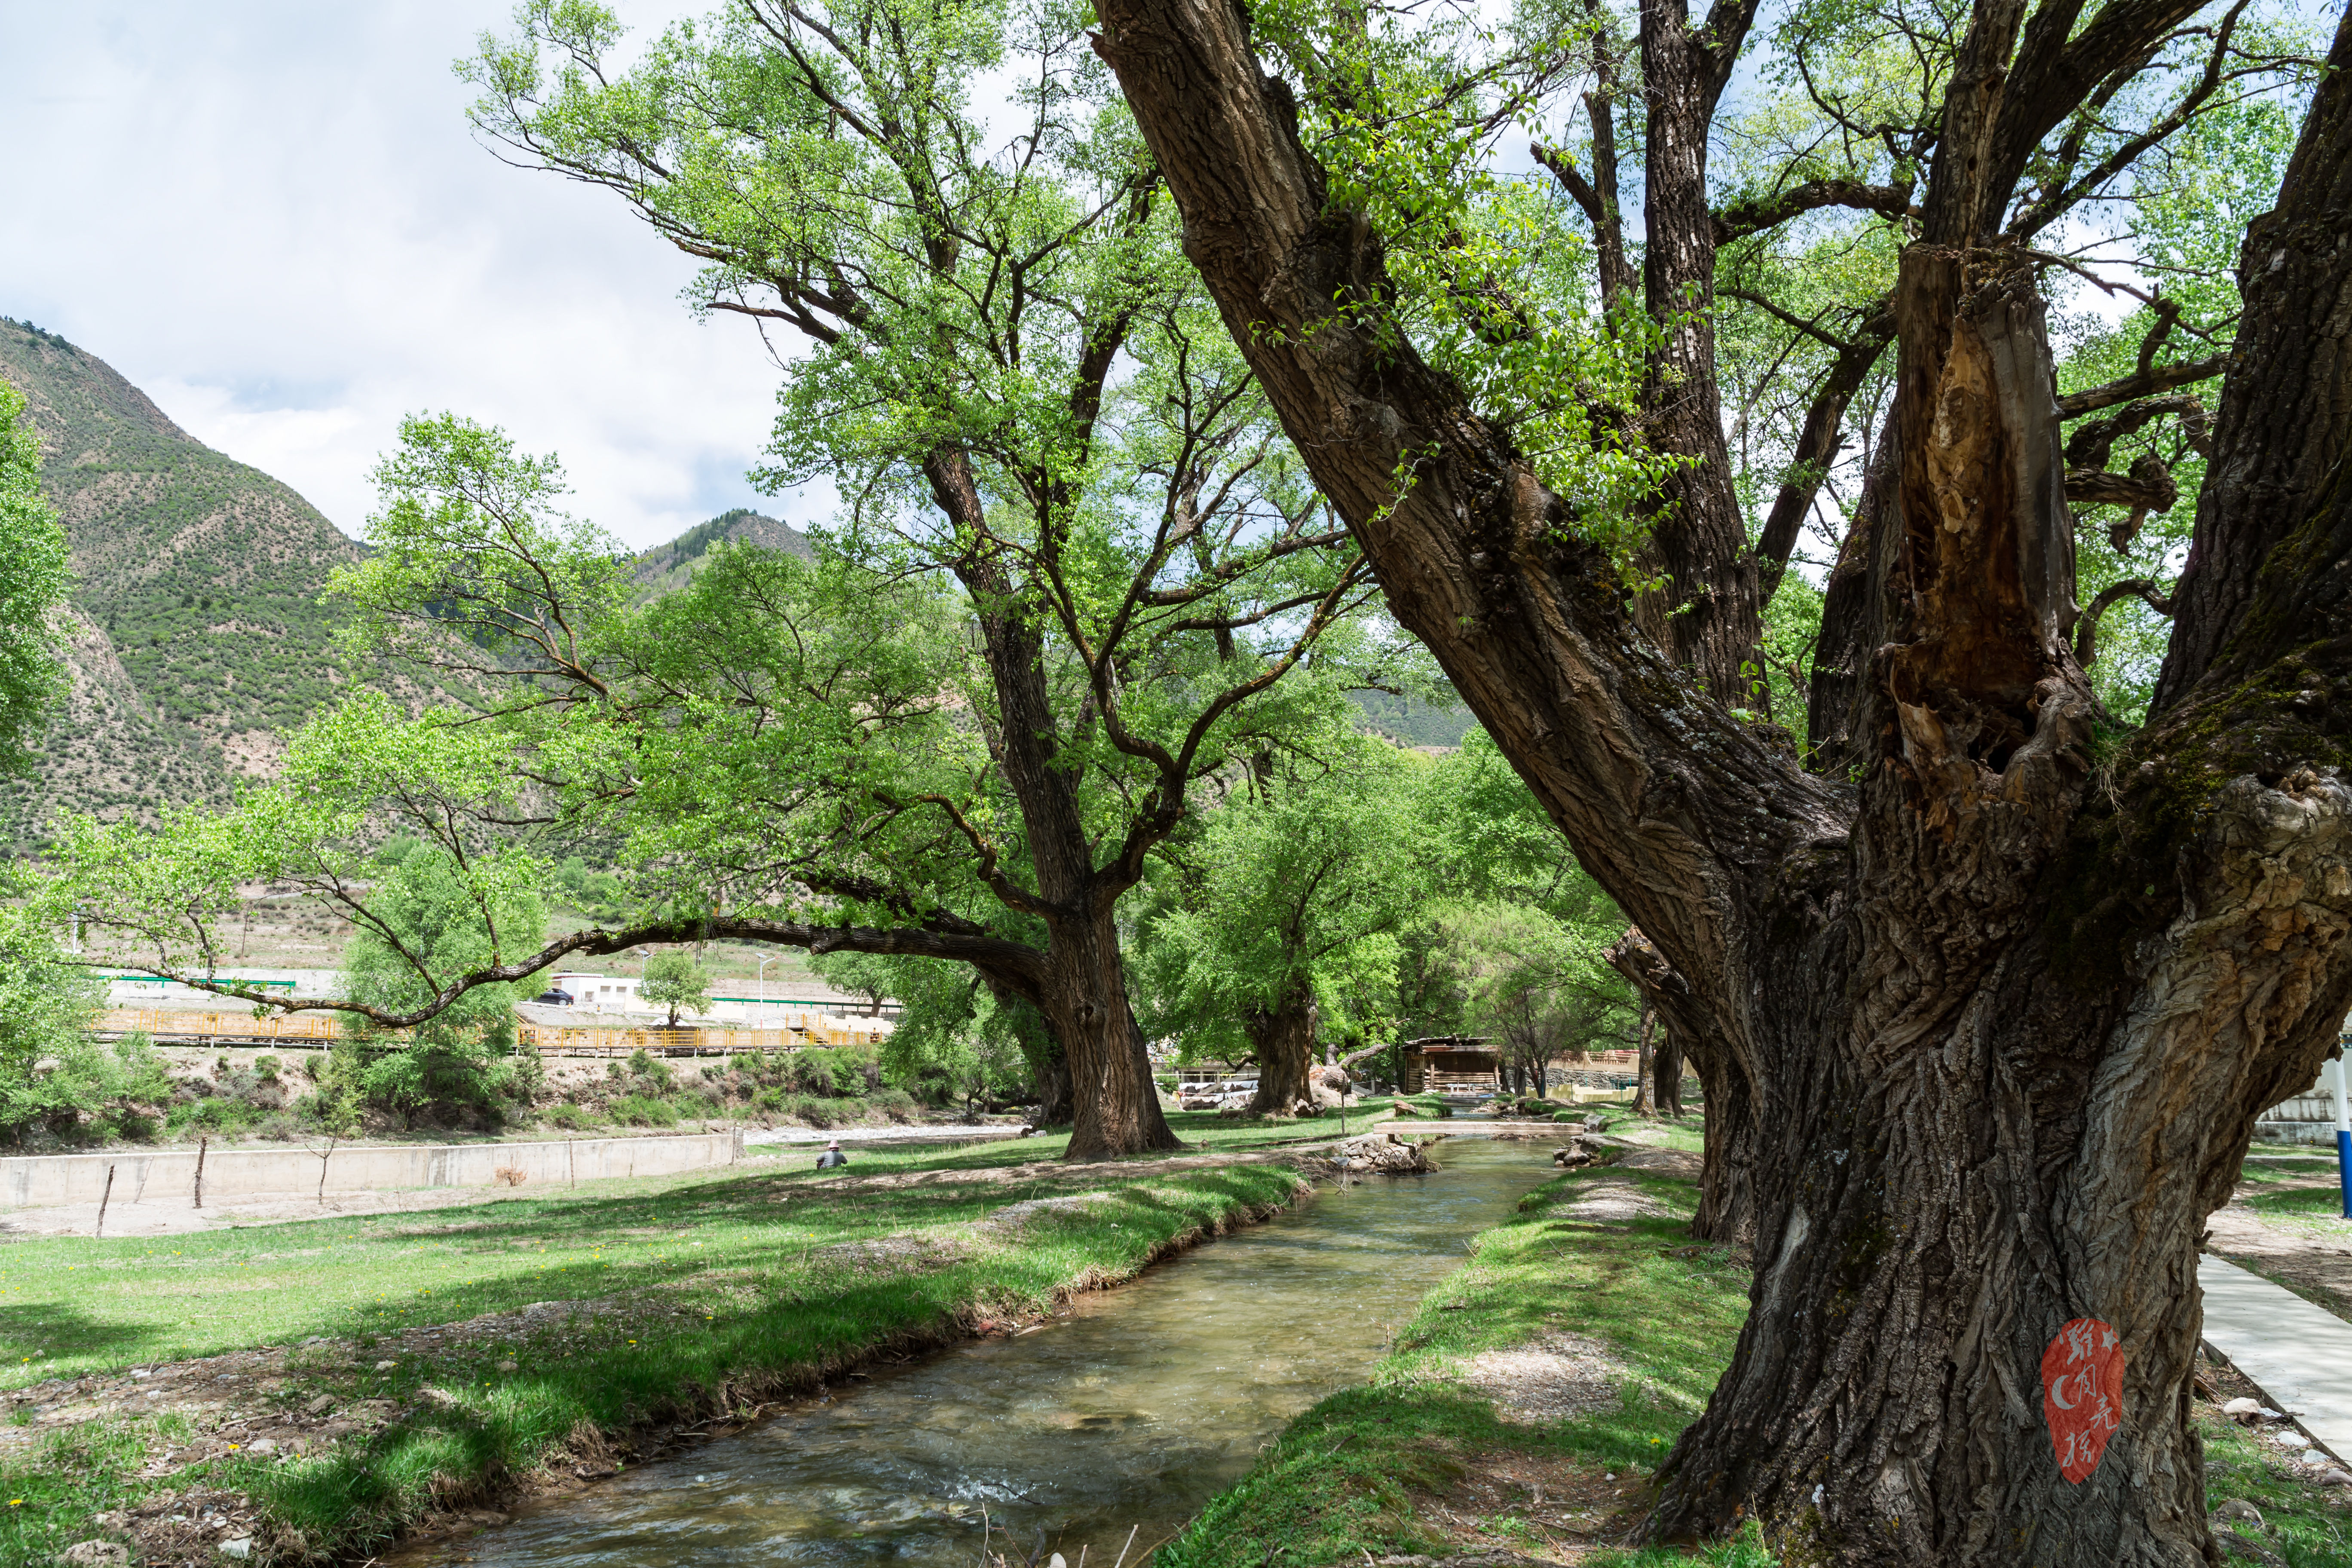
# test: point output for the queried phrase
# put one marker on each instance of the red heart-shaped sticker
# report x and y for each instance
(2082, 1395)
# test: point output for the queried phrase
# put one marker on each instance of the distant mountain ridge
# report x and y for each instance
(669, 567)
(196, 636)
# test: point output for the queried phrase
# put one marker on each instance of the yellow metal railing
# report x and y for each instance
(174, 1026)
(165, 1023)
(704, 1040)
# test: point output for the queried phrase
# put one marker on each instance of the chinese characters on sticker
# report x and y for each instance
(2082, 1395)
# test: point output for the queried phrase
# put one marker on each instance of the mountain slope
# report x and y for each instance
(195, 635)
(199, 631)
(669, 567)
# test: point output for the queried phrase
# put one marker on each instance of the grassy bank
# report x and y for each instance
(1590, 1304)
(357, 1374)
(1526, 1405)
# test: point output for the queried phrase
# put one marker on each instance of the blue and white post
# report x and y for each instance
(2343, 1135)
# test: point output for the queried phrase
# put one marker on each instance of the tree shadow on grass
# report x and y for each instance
(32, 1332)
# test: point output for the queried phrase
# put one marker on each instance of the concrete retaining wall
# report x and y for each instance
(2305, 1119)
(43, 1180)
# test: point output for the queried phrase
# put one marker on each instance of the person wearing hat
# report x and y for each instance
(831, 1156)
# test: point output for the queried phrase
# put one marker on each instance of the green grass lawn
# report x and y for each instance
(2296, 1523)
(722, 1288)
(1689, 1134)
(70, 1305)
(1348, 1480)
(2301, 1203)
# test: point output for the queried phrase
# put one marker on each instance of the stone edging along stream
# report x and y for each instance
(248, 1492)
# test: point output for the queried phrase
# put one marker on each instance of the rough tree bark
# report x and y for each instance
(1708, 618)
(1998, 1036)
(1081, 984)
(1667, 1074)
(1727, 1192)
(1644, 1104)
(1282, 1036)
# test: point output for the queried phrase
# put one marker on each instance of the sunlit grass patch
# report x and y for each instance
(50, 1494)
(2301, 1203)
(692, 1295)
(71, 1305)
(1354, 1475)
(2298, 1523)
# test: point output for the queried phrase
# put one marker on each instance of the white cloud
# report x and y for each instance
(272, 216)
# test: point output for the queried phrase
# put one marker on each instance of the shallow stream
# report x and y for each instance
(1128, 1411)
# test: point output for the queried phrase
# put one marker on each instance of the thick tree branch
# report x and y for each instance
(1476, 556)
(995, 954)
(1817, 443)
(1753, 216)
(2148, 487)
(2140, 384)
(2086, 628)
(2284, 426)
(2090, 444)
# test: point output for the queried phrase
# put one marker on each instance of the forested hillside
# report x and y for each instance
(197, 579)
(197, 635)
(669, 567)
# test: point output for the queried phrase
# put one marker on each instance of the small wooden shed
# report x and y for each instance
(1452, 1064)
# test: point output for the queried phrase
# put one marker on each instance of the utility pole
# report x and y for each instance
(2342, 1134)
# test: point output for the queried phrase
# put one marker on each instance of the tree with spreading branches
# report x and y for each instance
(814, 755)
(1985, 987)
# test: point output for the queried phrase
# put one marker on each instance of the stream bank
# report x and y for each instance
(1528, 1401)
(1114, 1419)
(555, 1343)
(1523, 1406)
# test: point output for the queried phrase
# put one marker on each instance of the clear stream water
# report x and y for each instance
(1131, 1410)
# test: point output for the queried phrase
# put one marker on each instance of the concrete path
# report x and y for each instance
(2298, 1355)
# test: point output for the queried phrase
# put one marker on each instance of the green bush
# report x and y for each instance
(460, 1067)
(644, 1111)
(831, 1072)
(56, 1083)
(823, 1111)
(215, 1116)
(573, 1116)
(653, 1074)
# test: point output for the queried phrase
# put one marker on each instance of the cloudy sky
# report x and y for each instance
(271, 216)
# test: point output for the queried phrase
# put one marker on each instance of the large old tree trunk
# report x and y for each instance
(1081, 984)
(1282, 1036)
(1667, 1074)
(1984, 1030)
(1645, 1102)
(1114, 1104)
